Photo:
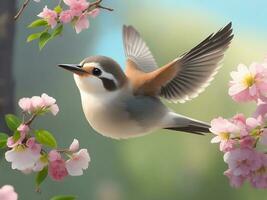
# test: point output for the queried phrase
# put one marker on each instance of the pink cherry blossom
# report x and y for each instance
(258, 178)
(242, 161)
(66, 16)
(223, 129)
(54, 155)
(41, 163)
(240, 121)
(261, 110)
(57, 169)
(82, 23)
(37, 103)
(26, 104)
(247, 142)
(78, 163)
(235, 181)
(7, 192)
(54, 109)
(77, 6)
(227, 145)
(248, 83)
(74, 146)
(23, 130)
(94, 13)
(22, 157)
(50, 16)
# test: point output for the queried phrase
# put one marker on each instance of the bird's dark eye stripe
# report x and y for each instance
(108, 84)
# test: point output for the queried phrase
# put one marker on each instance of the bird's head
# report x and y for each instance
(97, 74)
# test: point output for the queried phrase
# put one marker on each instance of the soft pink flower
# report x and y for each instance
(54, 155)
(37, 103)
(253, 123)
(22, 157)
(7, 192)
(227, 145)
(223, 129)
(66, 16)
(248, 83)
(54, 109)
(78, 163)
(247, 142)
(240, 121)
(26, 104)
(23, 131)
(94, 13)
(57, 169)
(242, 162)
(77, 6)
(50, 16)
(40, 164)
(235, 181)
(258, 178)
(74, 146)
(82, 23)
(261, 110)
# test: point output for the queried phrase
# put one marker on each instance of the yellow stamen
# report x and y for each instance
(248, 80)
(224, 135)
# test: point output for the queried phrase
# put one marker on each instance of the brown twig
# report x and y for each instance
(96, 4)
(24, 5)
(31, 119)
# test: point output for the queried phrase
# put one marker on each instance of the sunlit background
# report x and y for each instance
(163, 165)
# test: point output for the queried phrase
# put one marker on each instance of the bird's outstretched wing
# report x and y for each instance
(188, 75)
(136, 50)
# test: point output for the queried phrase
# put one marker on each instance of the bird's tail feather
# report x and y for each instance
(189, 125)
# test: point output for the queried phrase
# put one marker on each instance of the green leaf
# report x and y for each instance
(41, 175)
(57, 31)
(44, 38)
(61, 197)
(38, 23)
(58, 9)
(16, 136)
(46, 138)
(3, 140)
(12, 122)
(33, 36)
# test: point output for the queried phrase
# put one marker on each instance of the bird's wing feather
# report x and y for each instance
(136, 50)
(187, 76)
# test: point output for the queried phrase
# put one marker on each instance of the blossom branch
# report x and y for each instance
(24, 5)
(96, 4)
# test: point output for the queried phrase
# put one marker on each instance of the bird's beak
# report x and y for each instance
(74, 68)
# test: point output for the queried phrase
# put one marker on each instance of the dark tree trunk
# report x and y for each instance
(7, 30)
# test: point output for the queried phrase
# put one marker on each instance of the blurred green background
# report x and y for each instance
(163, 165)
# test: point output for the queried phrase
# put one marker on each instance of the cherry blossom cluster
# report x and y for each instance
(243, 140)
(74, 12)
(35, 150)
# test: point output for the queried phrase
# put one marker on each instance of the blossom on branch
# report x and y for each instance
(239, 136)
(50, 16)
(249, 83)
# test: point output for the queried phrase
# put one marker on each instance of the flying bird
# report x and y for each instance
(122, 105)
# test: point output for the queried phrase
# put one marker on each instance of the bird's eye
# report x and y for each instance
(96, 72)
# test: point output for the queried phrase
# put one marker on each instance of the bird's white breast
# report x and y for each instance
(106, 114)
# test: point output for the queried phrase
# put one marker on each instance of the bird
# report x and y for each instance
(125, 104)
